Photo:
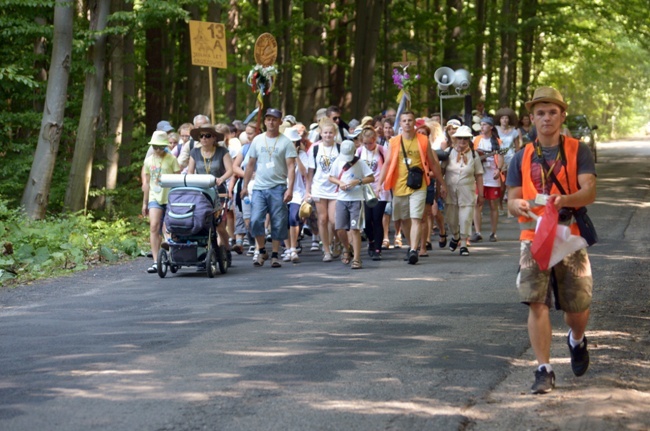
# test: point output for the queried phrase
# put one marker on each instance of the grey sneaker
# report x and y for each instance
(251, 251)
(476, 237)
(579, 356)
(544, 382)
(493, 237)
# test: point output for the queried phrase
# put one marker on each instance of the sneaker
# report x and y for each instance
(327, 257)
(299, 248)
(246, 242)
(286, 256)
(275, 262)
(238, 247)
(376, 255)
(579, 356)
(493, 237)
(476, 237)
(153, 268)
(544, 382)
(314, 246)
(259, 259)
(413, 257)
(294, 257)
(251, 251)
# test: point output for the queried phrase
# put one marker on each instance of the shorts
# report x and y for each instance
(570, 281)
(431, 192)
(349, 215)
(155, 204)
(409, 206)
(491, 193)
(294, 214)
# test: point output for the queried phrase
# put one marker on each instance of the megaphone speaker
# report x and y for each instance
(444, 77)
(462, 79)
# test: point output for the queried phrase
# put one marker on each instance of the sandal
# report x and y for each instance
(453, 244)
(356, 264)
(442, 242)
(385, 244)
(153, 268)
(345, 257)
(464, 251)
(398, 242)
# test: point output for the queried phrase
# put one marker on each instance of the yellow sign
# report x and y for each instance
(208, 44)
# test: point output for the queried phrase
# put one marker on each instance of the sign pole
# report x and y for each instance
(211, 96)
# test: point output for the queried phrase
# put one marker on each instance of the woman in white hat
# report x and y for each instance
(464, 176)
(348, 174)
(155, 196)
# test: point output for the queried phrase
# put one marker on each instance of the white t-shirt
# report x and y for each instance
(375, 160)
(299, 182)
(357, 171)
(325, 158)
(508, 141)
(489, 164)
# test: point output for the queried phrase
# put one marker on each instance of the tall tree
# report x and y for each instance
(76, 195)
(478, 82)
(528, 35)
(366, 40)
(37, 190)
(310, 91)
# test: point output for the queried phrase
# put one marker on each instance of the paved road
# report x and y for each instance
(315, 345)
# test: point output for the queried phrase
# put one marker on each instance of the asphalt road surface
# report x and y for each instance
(316, 346)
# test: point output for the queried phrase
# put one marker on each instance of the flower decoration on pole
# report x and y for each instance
(261, 80)
(405, 82)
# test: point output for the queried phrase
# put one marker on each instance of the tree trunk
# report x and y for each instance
(339, 52)
(491, 52)
(40, 45)
(128, 97)
(528, 32)
(76, 195)
(37, 190)
(366, 39)
(116, 113)
(478, 81)
(504, 69)
(452, 33)
(312, 45)
(232, 79)
(198, 82)
(288, 105)
(153, 72)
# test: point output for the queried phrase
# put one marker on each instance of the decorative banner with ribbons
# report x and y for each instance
(404, 82)
(262, 76)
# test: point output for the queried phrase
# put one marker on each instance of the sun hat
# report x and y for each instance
(463, 132)
(289, 118)
(159, 139)
(488, 120)
(347, 150)
(164, 126)
(305, 210)
(507, 112)
(355, 133)
(365, 121)
(273, 113)
(547, 95)
(453, 123)
(292, 134)
(196, 133)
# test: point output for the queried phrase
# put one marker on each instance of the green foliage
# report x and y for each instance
(62, 244)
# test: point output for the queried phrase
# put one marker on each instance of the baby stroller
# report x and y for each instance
(192, 215)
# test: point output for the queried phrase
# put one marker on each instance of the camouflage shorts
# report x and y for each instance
(570, 281)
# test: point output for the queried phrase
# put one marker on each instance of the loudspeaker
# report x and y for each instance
(462, 79)
(444, 77)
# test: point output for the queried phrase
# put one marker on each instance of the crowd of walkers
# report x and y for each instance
(288, 184)
(336, 183)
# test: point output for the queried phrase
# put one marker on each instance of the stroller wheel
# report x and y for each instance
(163, 263)
(222, 260)
(211, 263)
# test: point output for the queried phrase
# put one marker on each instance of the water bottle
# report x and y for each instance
(247, 200)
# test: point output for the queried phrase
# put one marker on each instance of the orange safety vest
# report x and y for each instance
(395, 147)
(529, 192)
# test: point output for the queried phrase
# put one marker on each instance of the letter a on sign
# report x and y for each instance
(208, 44)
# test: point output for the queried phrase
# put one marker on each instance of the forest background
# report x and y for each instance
(84, 83)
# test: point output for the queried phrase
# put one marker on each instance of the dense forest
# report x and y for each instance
(84, 83)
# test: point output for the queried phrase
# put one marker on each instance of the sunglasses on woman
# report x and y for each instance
(205, 135)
